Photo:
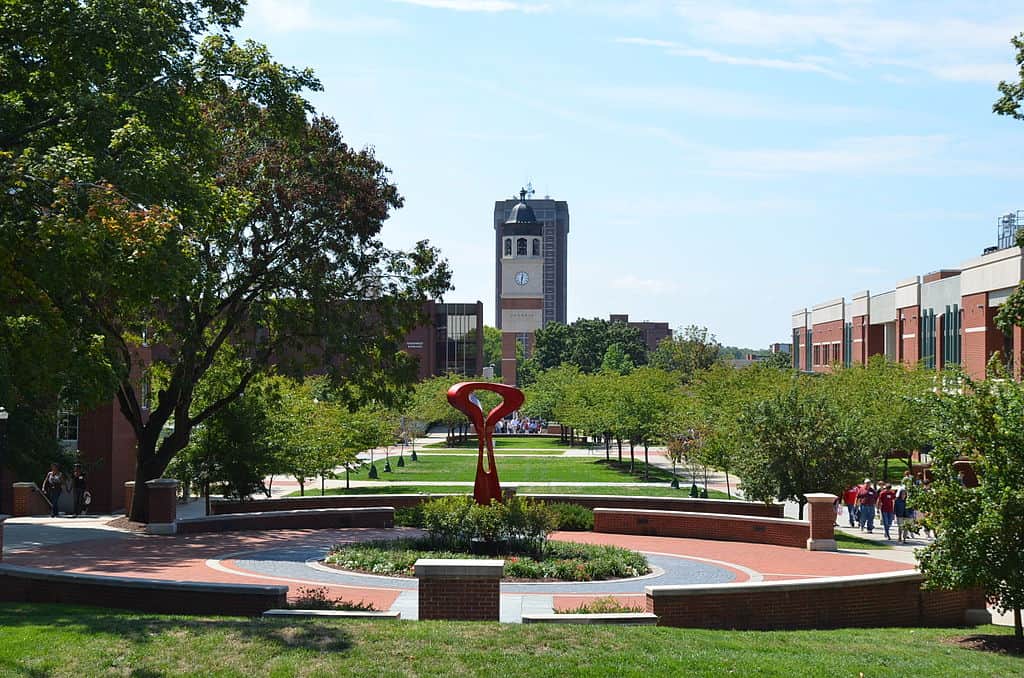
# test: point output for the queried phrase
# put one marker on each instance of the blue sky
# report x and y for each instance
(724, 162)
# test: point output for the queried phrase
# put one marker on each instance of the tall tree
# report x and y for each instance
(979, 531)
(687, 352)
(492, 348)
(170, 185)
(585, 342)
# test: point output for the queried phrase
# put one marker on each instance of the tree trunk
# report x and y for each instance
(607, 448)
(1018, 629)
(801, 502)
(632, 457)
(206, 496)
(728, 492)
(647, 464)
(323, 483)
(302, 487)
(619, 441)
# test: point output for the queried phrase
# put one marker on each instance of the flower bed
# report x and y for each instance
(557, 561)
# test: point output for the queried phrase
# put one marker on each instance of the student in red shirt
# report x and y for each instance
(887, 505)
(850, 499)
(867, 497)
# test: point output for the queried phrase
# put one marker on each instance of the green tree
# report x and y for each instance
(616, 360)
(167, 183)
(687, 352)
(645, 405)
(585, 342)
(979, 530)
(492, 348)
(797, 442)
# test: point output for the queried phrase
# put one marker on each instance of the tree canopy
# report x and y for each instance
(585, 342)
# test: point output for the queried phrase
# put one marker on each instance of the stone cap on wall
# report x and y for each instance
(799, 585)
(442, 568)
(162, 482)
(617, 618)
(820, 497)
(23, 484)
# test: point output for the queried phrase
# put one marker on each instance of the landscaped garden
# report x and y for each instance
(517, 530)
(62, 640)
(521, 469)
(527, 442)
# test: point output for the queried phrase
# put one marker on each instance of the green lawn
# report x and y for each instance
(845, 540)
(523, 489)
(471, 451)
(529, 443)
(51, 640)
(517, 469)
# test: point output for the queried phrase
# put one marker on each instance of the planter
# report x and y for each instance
(484, 547)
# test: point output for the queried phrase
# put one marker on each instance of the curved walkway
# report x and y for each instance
(284, 557)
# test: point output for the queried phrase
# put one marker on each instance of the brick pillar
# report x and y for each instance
(28, 500)
(1018, 351)
(822, 516)
(464, 590)
(2, 519)
(163, 506)
(129, 496)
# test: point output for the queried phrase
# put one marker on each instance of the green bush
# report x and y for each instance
(603, 605)
(557, 560)
(453, 522)
(572, 517)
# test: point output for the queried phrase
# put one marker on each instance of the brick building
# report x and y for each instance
(942, 318)
(653, 332)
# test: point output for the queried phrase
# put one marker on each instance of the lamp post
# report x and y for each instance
(4, 414)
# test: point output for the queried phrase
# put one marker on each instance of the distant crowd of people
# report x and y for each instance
(57, 482)
(520, 425)
(871, 501)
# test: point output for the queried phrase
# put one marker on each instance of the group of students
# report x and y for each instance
(526, 425)
(56, 482)
(865, 500)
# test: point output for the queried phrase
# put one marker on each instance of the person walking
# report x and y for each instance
(900, 509)
(850, 500)
(79, 486)
(53, 484)
(887, 506)
(867, 497)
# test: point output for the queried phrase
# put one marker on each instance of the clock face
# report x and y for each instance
(522, 278)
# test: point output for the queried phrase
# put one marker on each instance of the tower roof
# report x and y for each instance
(522, 213)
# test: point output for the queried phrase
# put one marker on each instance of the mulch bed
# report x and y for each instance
(123, 523)
(990, 643)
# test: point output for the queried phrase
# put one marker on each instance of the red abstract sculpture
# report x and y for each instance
(461, 397)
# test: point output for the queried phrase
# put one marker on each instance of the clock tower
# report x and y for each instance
(520, 284)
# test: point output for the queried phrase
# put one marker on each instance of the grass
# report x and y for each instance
(648, 491)
(518, 469)
(521, 443)
(52, 640)
(845, 540)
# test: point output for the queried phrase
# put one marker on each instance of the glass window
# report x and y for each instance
(67, 426)
(536, 247)
(508, 247)
(521, 247)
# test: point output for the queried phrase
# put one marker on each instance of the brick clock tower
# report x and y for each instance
(520, 284)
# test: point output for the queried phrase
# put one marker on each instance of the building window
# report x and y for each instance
(521, 247)
(508, 247)
(67, 426)
(536, 247)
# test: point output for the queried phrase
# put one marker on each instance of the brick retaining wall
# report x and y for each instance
(735, 507)
(34, 585)
(309, 519)
(778, 531)
(890, 599)
(462, 590)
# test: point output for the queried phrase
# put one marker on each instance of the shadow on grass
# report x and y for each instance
(142, 629)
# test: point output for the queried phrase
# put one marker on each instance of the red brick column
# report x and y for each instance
(163, 506)
(28, 500)
(822, 516)
(464, 590)
(2, 519)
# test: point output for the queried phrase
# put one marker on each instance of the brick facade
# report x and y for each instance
(827, 341)
(461, 590)
(859, 601)
(981, 338)
(860, 328)
(310, 519)
(28, 500)
(777, 531)
(908, 335)
(31, 585)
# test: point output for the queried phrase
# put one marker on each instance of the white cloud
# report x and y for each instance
(926, 39)
(489, 6)
(804, 64)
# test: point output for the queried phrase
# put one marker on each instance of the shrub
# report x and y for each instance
(454, 521)
(605, 605)
(409, 516)
(572, 517)
(310, 598)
